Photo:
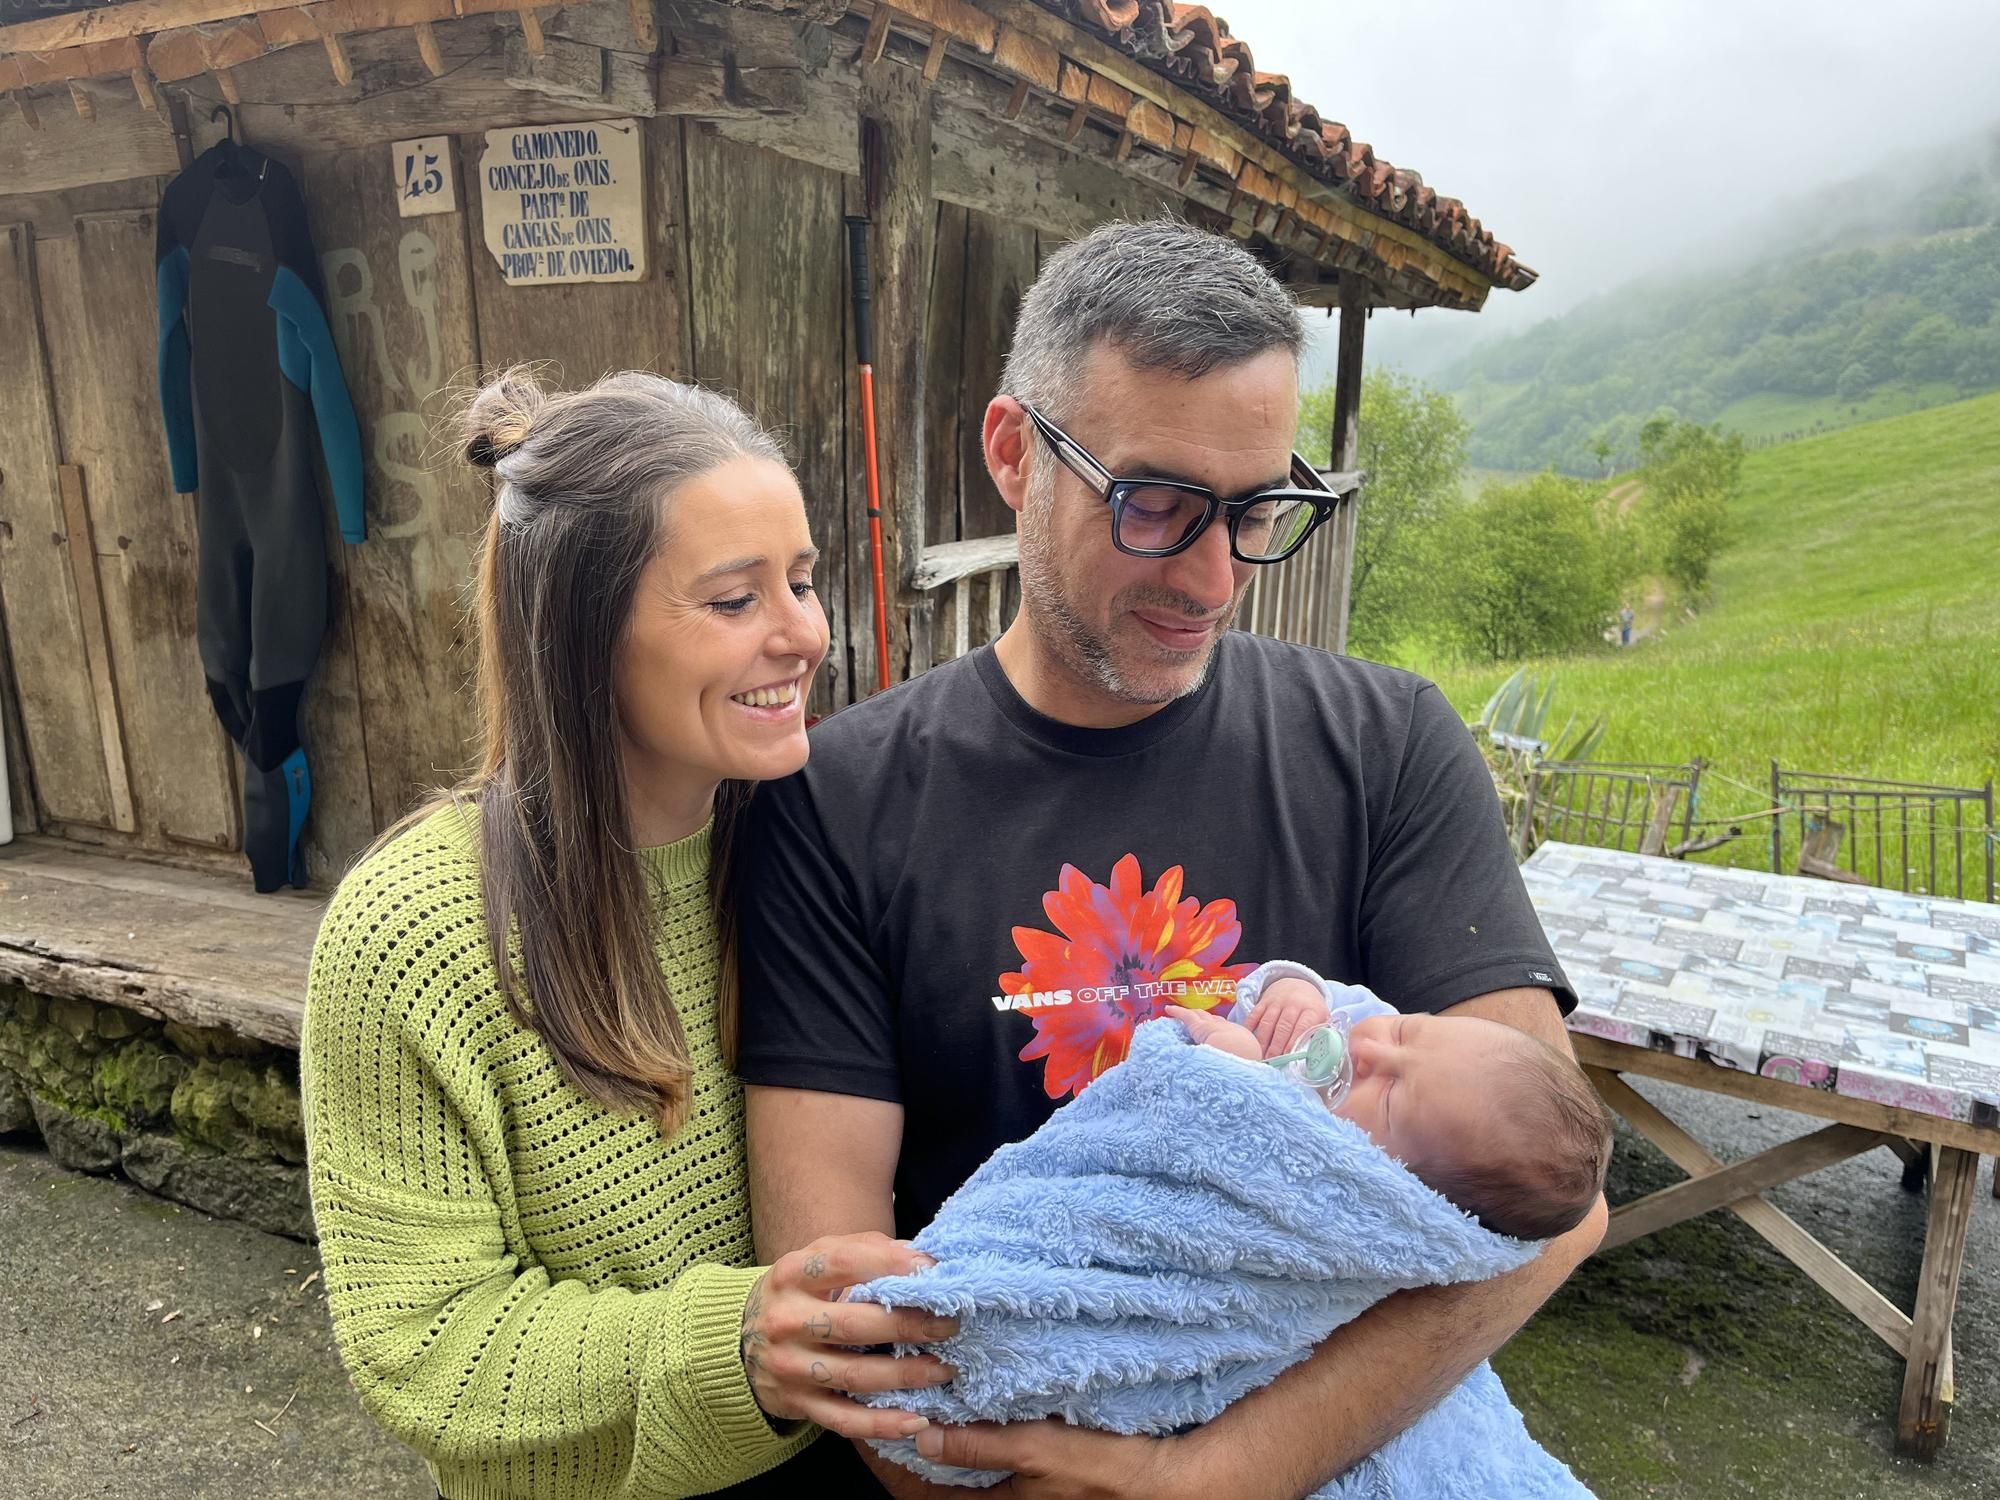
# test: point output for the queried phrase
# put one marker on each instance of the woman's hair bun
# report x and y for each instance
(501, 416)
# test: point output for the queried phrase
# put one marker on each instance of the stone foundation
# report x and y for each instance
(204, 1117)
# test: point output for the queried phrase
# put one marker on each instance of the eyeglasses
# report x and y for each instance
(1160, 517)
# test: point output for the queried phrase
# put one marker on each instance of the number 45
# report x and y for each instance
(421, 184)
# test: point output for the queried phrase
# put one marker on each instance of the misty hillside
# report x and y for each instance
(1861, 301)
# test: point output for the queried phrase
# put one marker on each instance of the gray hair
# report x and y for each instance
(619, 445)
(1163, 294)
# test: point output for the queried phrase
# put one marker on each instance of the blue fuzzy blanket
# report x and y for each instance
(1185, 1229)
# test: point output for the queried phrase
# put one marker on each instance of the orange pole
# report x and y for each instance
(864, 358)
(875, 525)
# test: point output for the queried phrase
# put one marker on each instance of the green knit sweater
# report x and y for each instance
(541, 1296)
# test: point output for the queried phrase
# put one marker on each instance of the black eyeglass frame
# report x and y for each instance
(1306, 485)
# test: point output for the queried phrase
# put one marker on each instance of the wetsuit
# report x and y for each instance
(247, 371)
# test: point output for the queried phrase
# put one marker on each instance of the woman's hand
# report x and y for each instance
(797, 1338)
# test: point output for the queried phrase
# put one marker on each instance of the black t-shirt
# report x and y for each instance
(966, 907)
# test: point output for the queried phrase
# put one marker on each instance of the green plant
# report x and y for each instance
(1527, 569)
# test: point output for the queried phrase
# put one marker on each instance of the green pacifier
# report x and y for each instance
(1321, 1064)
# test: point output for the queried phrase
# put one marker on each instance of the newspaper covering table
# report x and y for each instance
(1864, 992)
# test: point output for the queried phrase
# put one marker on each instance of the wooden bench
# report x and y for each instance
(177, 945)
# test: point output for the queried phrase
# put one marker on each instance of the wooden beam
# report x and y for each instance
(1709, 1077)
(1077, 117)
(877, 39)
(27, 107)
(1016, 101)
(336, 57)
(139, 18)
(1744, 1179)
(950, 561)
(142, 87)
(1344, 456)
(80, 97)
(645, 30)
(934, 57)
(427, 49)
(97, 644)
(531, 29)
(1781, 1232)
(1924, 1417)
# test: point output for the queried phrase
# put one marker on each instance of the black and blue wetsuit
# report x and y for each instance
(247, 371)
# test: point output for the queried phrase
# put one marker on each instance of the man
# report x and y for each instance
(986, 878)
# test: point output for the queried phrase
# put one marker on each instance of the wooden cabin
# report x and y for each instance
(974, 134)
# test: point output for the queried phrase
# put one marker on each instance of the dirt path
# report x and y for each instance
(147, 1350)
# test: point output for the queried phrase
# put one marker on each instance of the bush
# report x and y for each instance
(1533, 569)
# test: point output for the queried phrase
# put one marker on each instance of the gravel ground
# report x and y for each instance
(1694, 1363)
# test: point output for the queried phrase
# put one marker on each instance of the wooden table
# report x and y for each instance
(1869, 1008)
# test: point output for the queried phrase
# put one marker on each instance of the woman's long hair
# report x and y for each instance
(580, 483)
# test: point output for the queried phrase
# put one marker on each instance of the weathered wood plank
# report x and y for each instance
(999, 269)
(1595, 1051)
(82, 550)
(581, 332)
(1346, 446)
(897, 108)
(393, 96)
(99, 313)
(189, 947)
(767, 273)
(37, 588)
(1924, 1417)
(399, 301)
(125, 140)
(944, 338)
(950, 561)
(1743, 1179)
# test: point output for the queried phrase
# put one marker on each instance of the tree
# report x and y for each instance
(1412, 445)
(1691, 474)
(1531, 571)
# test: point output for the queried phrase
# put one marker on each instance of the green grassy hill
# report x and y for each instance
(1854, 624)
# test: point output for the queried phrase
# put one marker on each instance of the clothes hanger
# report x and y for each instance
(233, 149)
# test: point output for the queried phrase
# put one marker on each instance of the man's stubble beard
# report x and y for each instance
(1084, 651)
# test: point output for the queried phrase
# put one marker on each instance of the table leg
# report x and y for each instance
(1925, 1416)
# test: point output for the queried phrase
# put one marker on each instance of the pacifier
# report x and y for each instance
(1322, 1063)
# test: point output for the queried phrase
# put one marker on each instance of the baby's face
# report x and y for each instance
(1419, 1081)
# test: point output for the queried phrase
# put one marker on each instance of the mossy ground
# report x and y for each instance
(1696, 1362)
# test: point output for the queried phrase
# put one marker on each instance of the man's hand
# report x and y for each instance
(1054, 1461)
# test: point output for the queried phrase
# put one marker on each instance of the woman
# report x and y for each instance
(526, 1146)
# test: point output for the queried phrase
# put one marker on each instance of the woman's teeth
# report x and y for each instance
(767, 697)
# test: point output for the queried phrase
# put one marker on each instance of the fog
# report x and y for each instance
(1607, 139)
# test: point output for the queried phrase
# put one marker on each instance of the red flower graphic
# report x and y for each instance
(1115, 938)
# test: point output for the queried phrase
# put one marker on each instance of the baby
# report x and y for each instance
(1492, 1118)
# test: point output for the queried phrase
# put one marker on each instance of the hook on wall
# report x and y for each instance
(224, 112)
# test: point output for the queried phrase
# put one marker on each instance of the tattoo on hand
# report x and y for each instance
(815, 1266)
(820, 1326)
(820, 1373)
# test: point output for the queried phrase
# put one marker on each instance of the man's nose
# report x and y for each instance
(1206, 572)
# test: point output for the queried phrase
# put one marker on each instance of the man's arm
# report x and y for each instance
(1365, 1383)
(821, 1159)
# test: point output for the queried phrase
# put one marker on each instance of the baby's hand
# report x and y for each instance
(1286, 1011)
(1210, 1030)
